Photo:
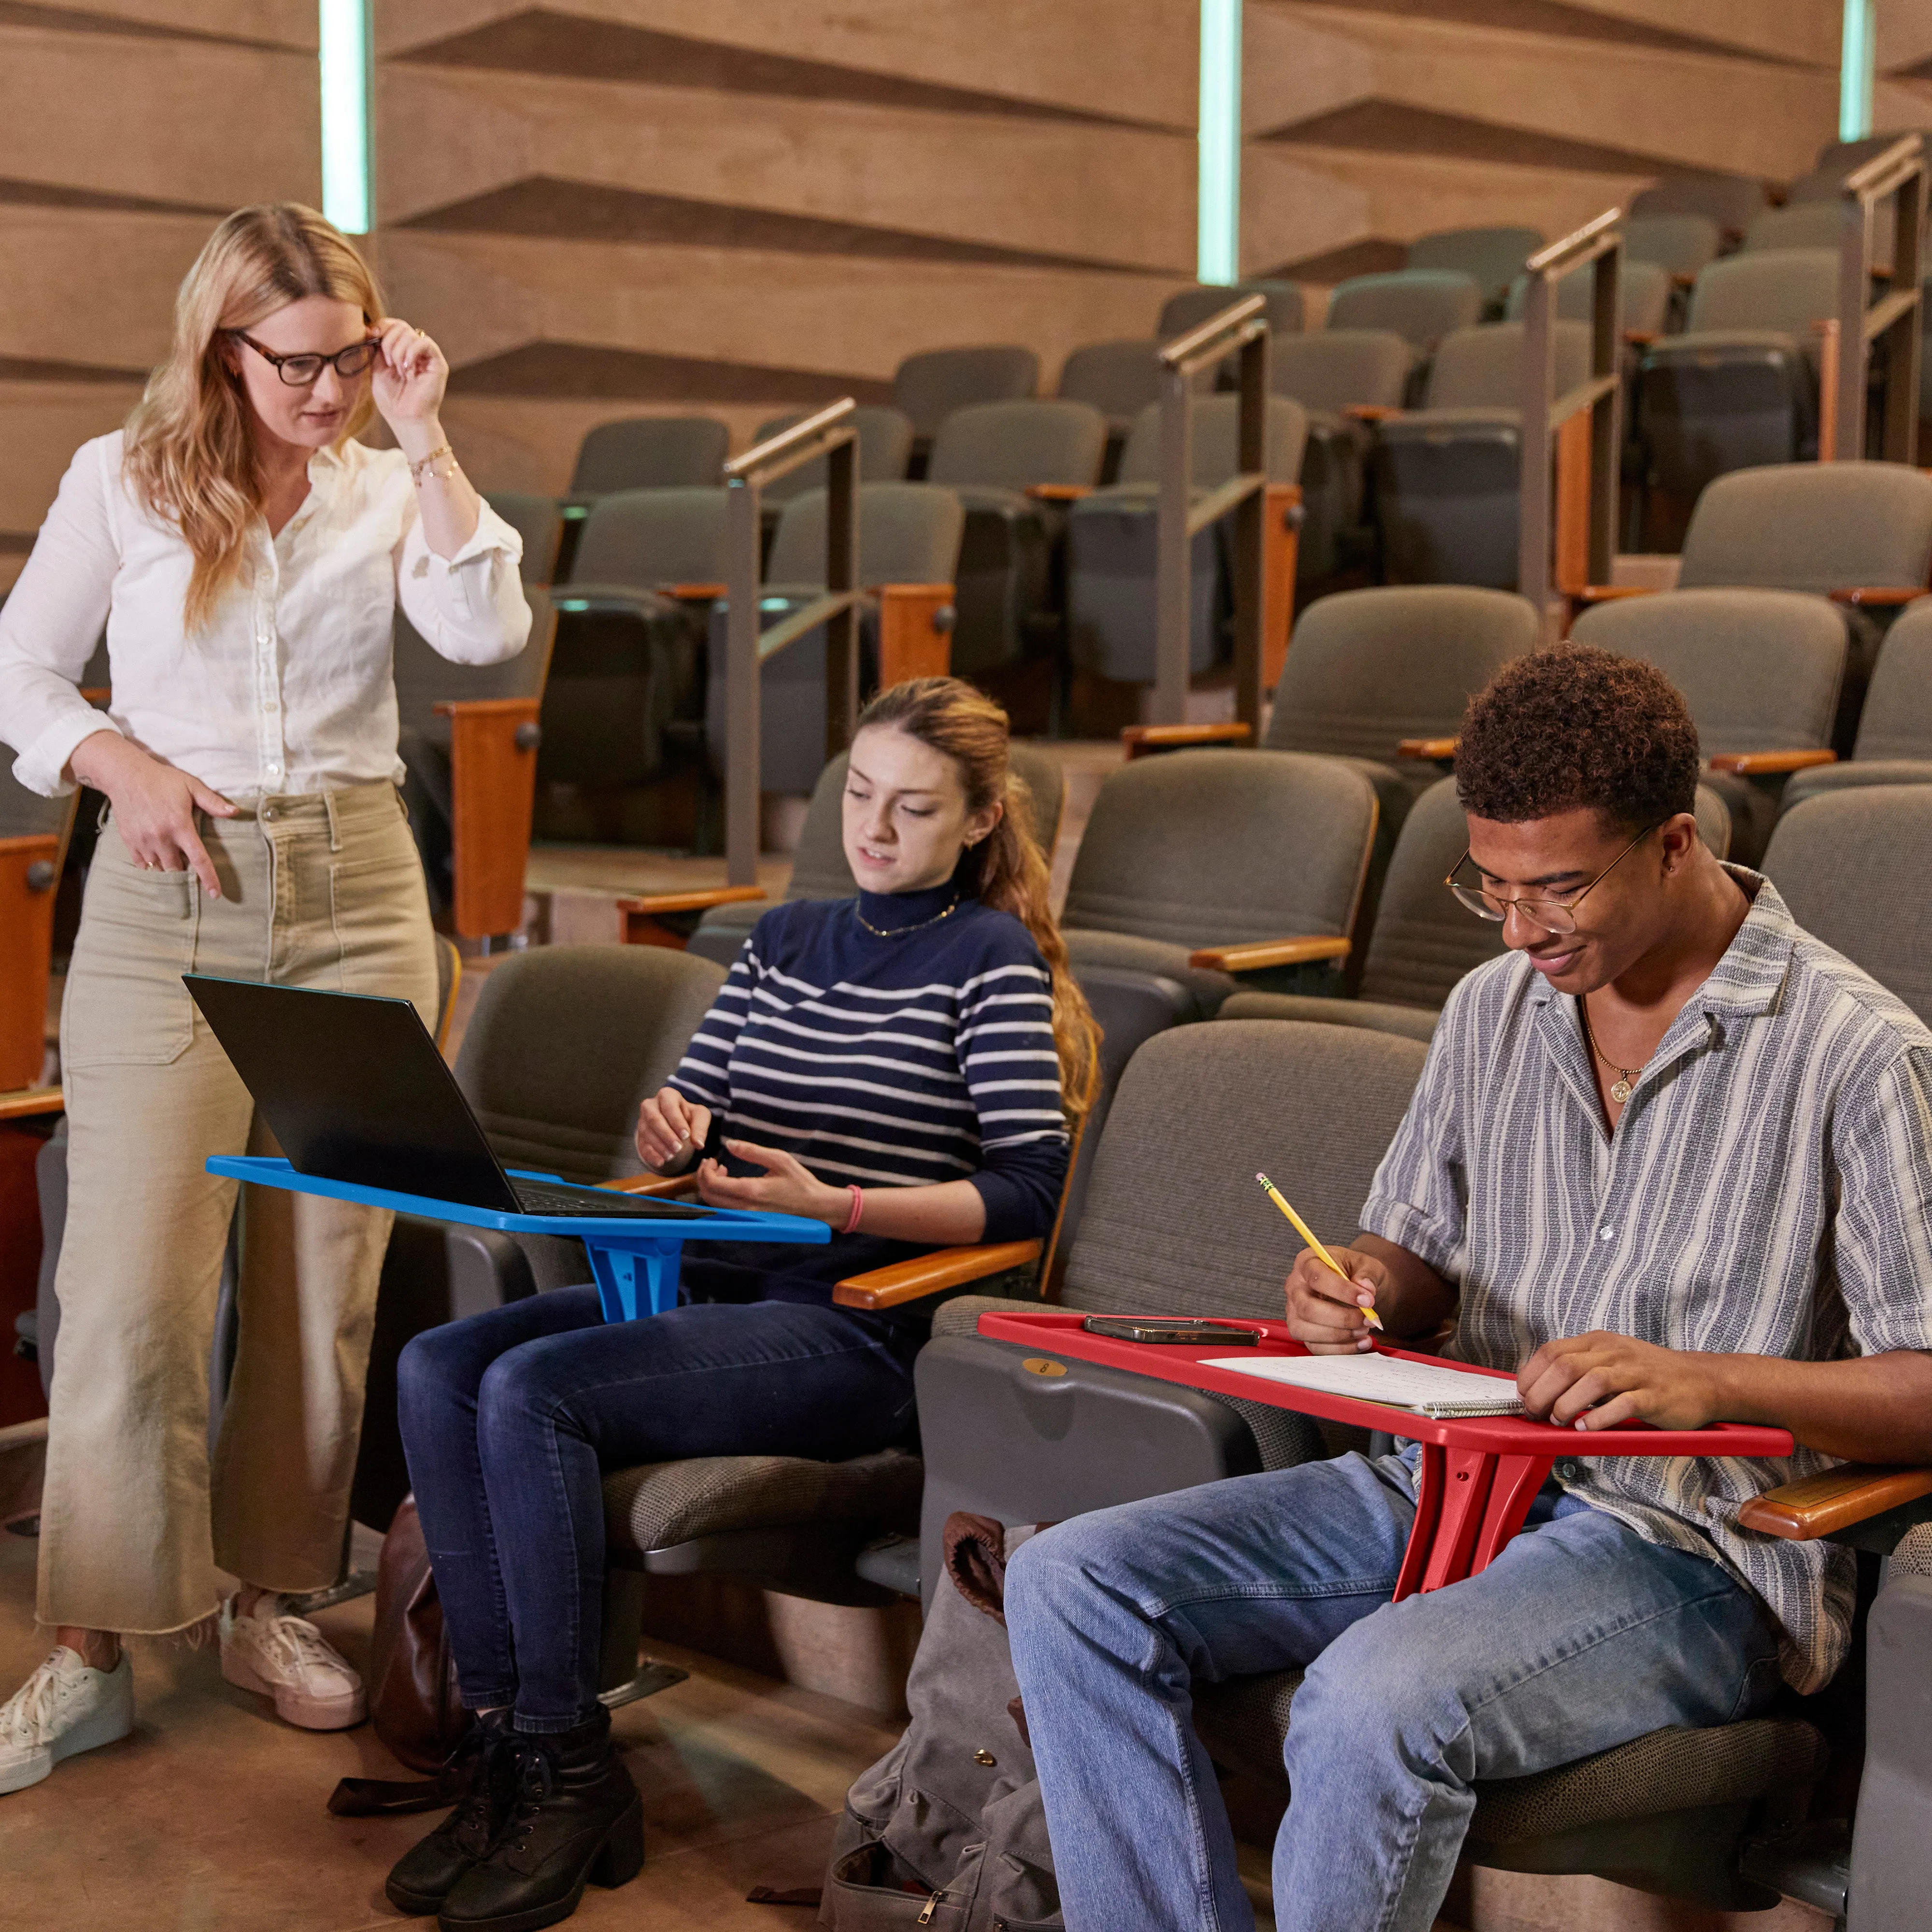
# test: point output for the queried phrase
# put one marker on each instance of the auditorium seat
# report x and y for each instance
(1421, 305)
(1174, 1224)
(1120, 379)
(1729, 200)
(1800, 224)
(468, 740)
(929, 386)
(885, 443)
(1852, 866)
(1491, 257)
(1644, 297)
(818, 869)
(651, 453)
(1895, 741)
(1188, 308)
(909, 536)
(538, 520)
(1343, 378)
(1424, 939)
(1761, 671)
(1014, 467)
(1111, 547)
(1219, 869)
(630, 628)
(1448, 475)
(1739, 387)
(1678, 244)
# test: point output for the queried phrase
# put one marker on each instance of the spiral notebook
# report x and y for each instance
(1434, 1389)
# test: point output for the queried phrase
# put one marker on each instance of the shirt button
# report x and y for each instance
(1606, 1234)
(269, 704)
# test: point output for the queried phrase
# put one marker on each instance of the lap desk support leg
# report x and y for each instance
(633, 1259)
(1478, 1475)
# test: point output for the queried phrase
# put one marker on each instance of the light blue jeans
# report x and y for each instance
(1579, 1636)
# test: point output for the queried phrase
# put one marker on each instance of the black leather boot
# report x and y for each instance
(422, 1877)
(573, 1816)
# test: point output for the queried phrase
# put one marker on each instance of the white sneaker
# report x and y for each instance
(65, 1707)
(288, 1659)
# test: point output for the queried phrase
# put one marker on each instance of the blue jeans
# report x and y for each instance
(1579, 1636)
(510, 1418)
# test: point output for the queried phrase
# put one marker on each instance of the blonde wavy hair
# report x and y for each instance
(190, 452)
(1012, 876)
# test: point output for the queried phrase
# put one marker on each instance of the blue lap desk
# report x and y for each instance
(635, 1262)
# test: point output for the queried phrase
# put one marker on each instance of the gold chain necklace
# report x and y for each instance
(1620, 1087)
(893, 931)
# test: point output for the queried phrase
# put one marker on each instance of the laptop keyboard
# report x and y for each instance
(538, 1197)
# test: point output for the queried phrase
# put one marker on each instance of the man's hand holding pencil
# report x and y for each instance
(1330, 1312)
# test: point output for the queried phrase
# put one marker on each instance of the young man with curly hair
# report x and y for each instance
(1670, 1158)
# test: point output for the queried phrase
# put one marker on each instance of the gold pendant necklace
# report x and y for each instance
(893, 931)
(1627, 1076)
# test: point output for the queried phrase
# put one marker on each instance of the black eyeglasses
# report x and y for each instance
(300, 371)
(1552, 915)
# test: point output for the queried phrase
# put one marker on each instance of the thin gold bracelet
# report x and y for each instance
(426, 465)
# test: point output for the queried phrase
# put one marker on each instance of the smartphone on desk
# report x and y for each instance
(1187, 1329)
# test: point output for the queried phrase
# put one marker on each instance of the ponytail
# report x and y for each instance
(1012, 874)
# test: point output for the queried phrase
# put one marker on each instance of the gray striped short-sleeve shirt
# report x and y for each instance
(1767, 1191)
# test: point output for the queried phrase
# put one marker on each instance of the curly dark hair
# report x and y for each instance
(1577, 726)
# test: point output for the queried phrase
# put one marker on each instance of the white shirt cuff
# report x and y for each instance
(42, 766)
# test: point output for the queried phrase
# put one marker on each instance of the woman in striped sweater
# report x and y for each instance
(902, 1067)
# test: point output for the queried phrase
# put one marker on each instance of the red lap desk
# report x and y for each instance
(1478, 1475)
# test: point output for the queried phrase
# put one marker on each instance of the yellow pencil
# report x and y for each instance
(1307, 1234)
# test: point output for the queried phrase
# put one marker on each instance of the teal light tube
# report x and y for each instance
(1218, 203)
(347, 197)
(1858, 59)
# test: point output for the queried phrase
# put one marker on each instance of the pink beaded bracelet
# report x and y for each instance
(858, 1208)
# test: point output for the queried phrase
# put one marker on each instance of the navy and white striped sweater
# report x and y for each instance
(925, 1057)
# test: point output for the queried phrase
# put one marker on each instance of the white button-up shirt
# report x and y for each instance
(290, 686)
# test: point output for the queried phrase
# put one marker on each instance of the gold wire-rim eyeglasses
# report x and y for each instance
(305, 370)
(1548, 915)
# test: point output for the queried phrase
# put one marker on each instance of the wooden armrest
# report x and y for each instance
(694, 593)
(1138, 741)
(652, 904)
(1256, 955)
(1877, 596)
(488, 707)
(1059, 493)
(660, 1187)
(1682, 278)
(25, 1103)
(915, 632)
(492, 772)
(98, 695)
(1608, 593)
(1426, 748)
(1823, 1504)
(1370, 412)
(1639, 338)
(928, 1274)
(1758, 764)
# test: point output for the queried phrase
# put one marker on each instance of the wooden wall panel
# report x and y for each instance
(127, 128)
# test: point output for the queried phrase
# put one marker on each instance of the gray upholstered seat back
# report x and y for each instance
(1483, 367)
(1802, 224)
(1211, 847)
(885, 442)
(1329, 369)
(566, 1043)
(819, 870)
(1491, 257)
(425, 679)
(1120, 378)
(1822, 527)
(1425, 939)
(645, 538)
(1759, 669)
(1783, 289)
(1188, 308)
(1368, 668)
(1217, 441)
(24, 813)
(1678, 244)
(651, 453)
(1896, 721)
(538, 521)
(1729, 200)
(1173, 1222)
(1644, 295)
(1851, 866)
(929, 387)
(1007, 445)
(1421, 305)
(908, 533)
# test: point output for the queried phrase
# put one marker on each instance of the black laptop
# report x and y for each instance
(353, 1088)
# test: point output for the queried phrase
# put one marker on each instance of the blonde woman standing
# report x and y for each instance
(246, 556)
